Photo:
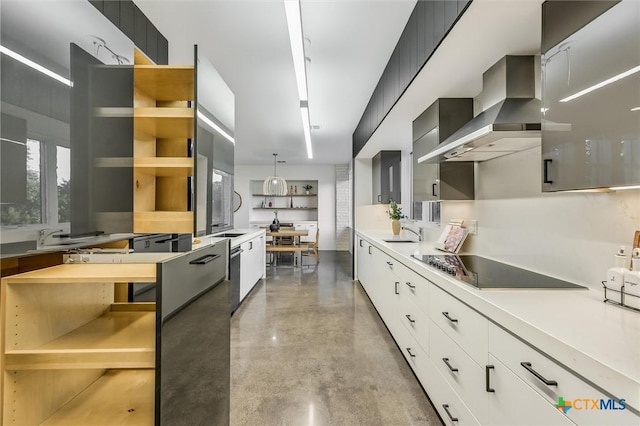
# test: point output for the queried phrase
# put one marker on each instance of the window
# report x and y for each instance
(29, 212)
(48, 192)
(63, 178)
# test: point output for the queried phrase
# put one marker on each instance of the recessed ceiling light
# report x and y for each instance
(635, 108)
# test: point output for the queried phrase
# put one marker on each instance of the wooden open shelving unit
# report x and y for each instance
(163, 124)
(70, 354)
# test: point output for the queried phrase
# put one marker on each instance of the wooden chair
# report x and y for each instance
(312, 248)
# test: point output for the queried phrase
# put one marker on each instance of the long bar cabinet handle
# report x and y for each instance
(527, 366)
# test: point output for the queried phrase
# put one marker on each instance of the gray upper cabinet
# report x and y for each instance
(386, 177)
(591, 100)
(428, 24)
(441, 181)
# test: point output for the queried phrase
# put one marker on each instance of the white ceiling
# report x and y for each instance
(247, 41)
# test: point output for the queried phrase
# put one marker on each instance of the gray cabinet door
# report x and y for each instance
(591, 124)
(192, 376)
(425, 175)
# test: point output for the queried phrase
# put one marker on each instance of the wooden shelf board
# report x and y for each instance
(165, 82)
(163, 222)
(284, 196)
(122, 397)
(164, 127)
(87, 273)
(162, 112)
(114, 340)
(165, 166)
(285, 208)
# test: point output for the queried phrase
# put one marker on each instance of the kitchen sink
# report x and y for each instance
(399, 241)
(230, 234)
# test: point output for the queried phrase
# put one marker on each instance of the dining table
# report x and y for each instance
(277, 245)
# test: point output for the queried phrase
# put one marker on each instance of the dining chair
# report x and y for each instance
(313, 247)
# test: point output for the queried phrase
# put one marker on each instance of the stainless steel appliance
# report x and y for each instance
(511, 116)
(234, 277)
(485, 273)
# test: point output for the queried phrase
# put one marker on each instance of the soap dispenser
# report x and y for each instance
(615, 275)
(632, 281)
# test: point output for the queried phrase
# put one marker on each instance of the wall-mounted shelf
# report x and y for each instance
(297, 206)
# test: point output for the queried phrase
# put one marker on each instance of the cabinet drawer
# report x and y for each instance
(465, 376)
(452, 410)
(464, 325)
(413, 353)
(552, 381)
(414, 285)
(513, 402)
(184, 278)
(414, 319)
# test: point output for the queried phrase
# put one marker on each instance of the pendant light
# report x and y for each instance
(274, 185)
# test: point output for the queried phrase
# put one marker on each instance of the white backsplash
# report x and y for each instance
(572, 236)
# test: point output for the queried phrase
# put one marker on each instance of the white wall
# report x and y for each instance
(573, 236)
(325, 175)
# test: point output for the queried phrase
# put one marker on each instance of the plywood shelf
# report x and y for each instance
(165, 166)
(122, 397)
(164, 122)
(87, 273)
(285, 208)
(165, 82)
(284, 196)
(171, 222)
(115, 340)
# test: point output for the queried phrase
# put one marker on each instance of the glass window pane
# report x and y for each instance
(29, 212)
(63, 178)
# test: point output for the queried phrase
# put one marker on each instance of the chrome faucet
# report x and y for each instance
(43, 234)
(419, 233)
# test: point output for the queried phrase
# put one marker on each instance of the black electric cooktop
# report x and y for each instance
(488, 274)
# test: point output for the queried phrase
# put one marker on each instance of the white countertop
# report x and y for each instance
(248, 234)
(597, 340)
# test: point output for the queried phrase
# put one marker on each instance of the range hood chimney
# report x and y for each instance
(510, 123)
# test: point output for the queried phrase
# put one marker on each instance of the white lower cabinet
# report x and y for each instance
(473, 370)
(513, 402)
(252, 264)
(449, 405)
(551, 381)
(462, 373)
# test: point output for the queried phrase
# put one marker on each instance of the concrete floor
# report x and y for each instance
(308, 348)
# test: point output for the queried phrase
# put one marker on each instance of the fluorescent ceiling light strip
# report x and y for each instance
(635, 109)
(622, 188)
(448, 147)
(294, 23)
(28, 62)
(13, 141)
(215, 127)
(304, 112)
(602, 84)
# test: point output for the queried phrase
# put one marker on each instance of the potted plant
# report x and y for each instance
(395, 214)
(307, 188)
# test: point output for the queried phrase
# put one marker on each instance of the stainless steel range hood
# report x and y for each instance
(510, 124)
